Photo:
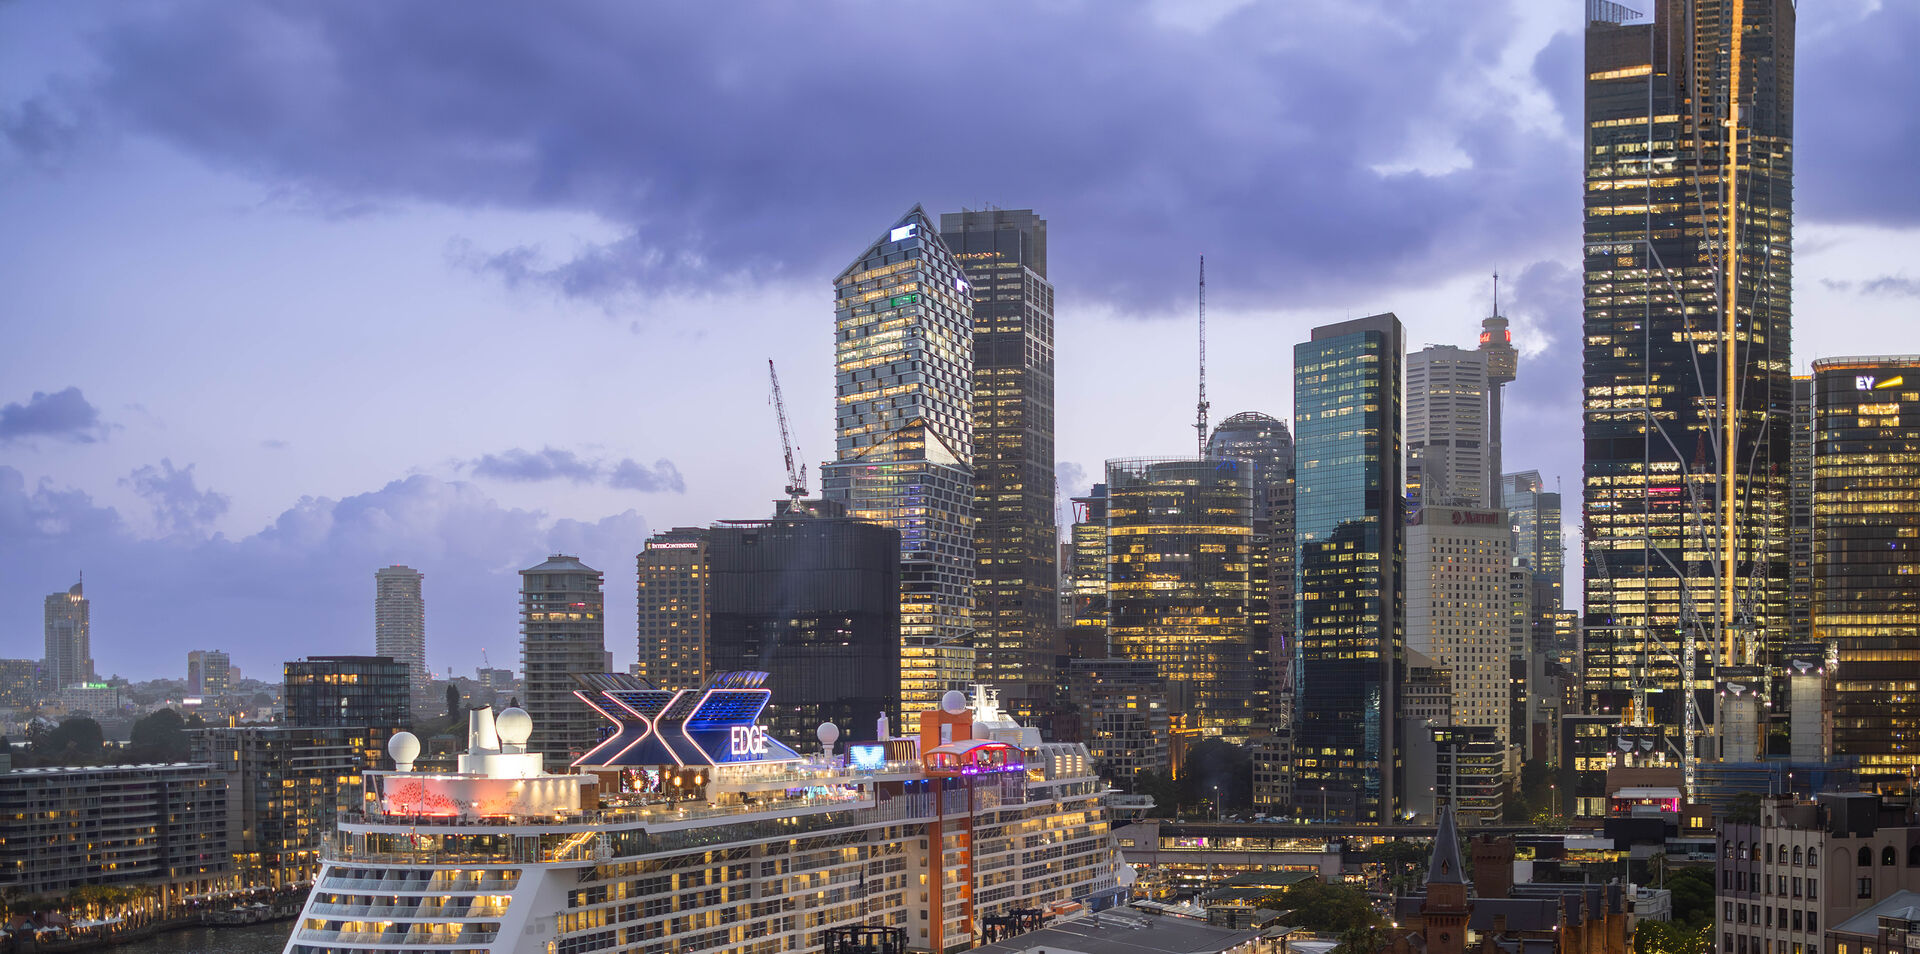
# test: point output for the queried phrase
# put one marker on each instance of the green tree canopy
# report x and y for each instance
(75, 741)
(159, 737)
(1335, 909)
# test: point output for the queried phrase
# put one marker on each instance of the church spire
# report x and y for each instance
(1444, 866)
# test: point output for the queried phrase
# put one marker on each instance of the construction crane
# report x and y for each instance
(1200, 410)
(796, 475)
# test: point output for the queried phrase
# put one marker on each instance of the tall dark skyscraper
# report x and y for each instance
(1265, 442)
(1016, 554)
(1349, 578)
(903, 437)
(1800, 515)
(1689, 119)
(814, 602)
(1866, 543)
(1180, 587)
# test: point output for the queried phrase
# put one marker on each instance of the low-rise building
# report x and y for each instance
(1890, 927)
(1807, 866)
(163, 825)
(1125, 715)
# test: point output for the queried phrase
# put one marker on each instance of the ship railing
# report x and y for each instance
(409, 938)
(493, 911)
(349, 848)
(444, 885)
(653, 811)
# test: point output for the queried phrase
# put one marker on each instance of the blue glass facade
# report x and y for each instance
(1349, 515)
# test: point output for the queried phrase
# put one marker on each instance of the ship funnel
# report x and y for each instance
(482, 737)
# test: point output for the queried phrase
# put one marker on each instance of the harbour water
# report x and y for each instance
(238, 939)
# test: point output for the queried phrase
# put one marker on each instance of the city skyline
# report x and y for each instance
(148, 485)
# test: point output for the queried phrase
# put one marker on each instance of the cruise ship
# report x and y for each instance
(691, 829)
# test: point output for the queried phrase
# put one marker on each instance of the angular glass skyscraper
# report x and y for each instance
(1689, 120)
(1016, 552)
(903, 394)
(1349, 590)
(1265, 441)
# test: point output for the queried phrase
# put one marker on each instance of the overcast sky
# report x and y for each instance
(292, 291)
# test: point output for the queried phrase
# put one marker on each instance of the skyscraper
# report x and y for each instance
(1087, 584)
(1458, 563)
(1447, 433)
(1689, 118)
(1349, 589)
(334, 691)
(1534, 513)
(1266, 443)
(1866, 544)
(69, 640)
(1004, 252)
(903, 392)
(209, 672)
(1180, 588)
(673, 594)
(1800, 514)
(814, 602)
(562, 632)
(400, 627)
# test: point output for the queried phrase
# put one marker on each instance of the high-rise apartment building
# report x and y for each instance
(1265, 442)
(163, 826)
(1866, 546)
(813, 601)
(209, 673)
(562, 632)
(1181, 589)
(346, 691)
(903, 425)
(285, 787)
(1459, 609)
(1004, 253)
(1349, 570)
(1124, 716)
(1448, 439)
(69, 658)
(1688, 145)
(674, 584)
(19, 682)
(400, 627)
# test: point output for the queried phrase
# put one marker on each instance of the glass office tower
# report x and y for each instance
(1268, 444)
(903, 393)
(1349, 592)
(1684, 539)
(1180, 586)
(1866, 546)
(1016, 552)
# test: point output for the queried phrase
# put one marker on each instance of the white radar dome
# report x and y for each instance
(954, 702)
(404, 747)
(827, 733)
(514, 726)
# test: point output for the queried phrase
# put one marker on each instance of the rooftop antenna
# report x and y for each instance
(1496, 293)
(1200, 410)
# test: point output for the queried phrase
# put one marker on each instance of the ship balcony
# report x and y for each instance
(402, 912)
(397, 939)
(401, 885)
(463, 848)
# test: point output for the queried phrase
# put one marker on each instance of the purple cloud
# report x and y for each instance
(1276, 138)
(63, 415)
(178, 505)
(551, 463)
(306, 579)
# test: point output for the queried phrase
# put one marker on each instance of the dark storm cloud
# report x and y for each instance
(551, 463)
(63, 415)
(767, 139)
(178, 505)
(155, 598)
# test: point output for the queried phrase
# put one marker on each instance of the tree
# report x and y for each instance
(1322, 908)
(1400, 863)
(1666, 937)
(1744, 809)
(1692, 895)
(159, 737)
(75, 741)
(453, 701)
(1162, 787)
